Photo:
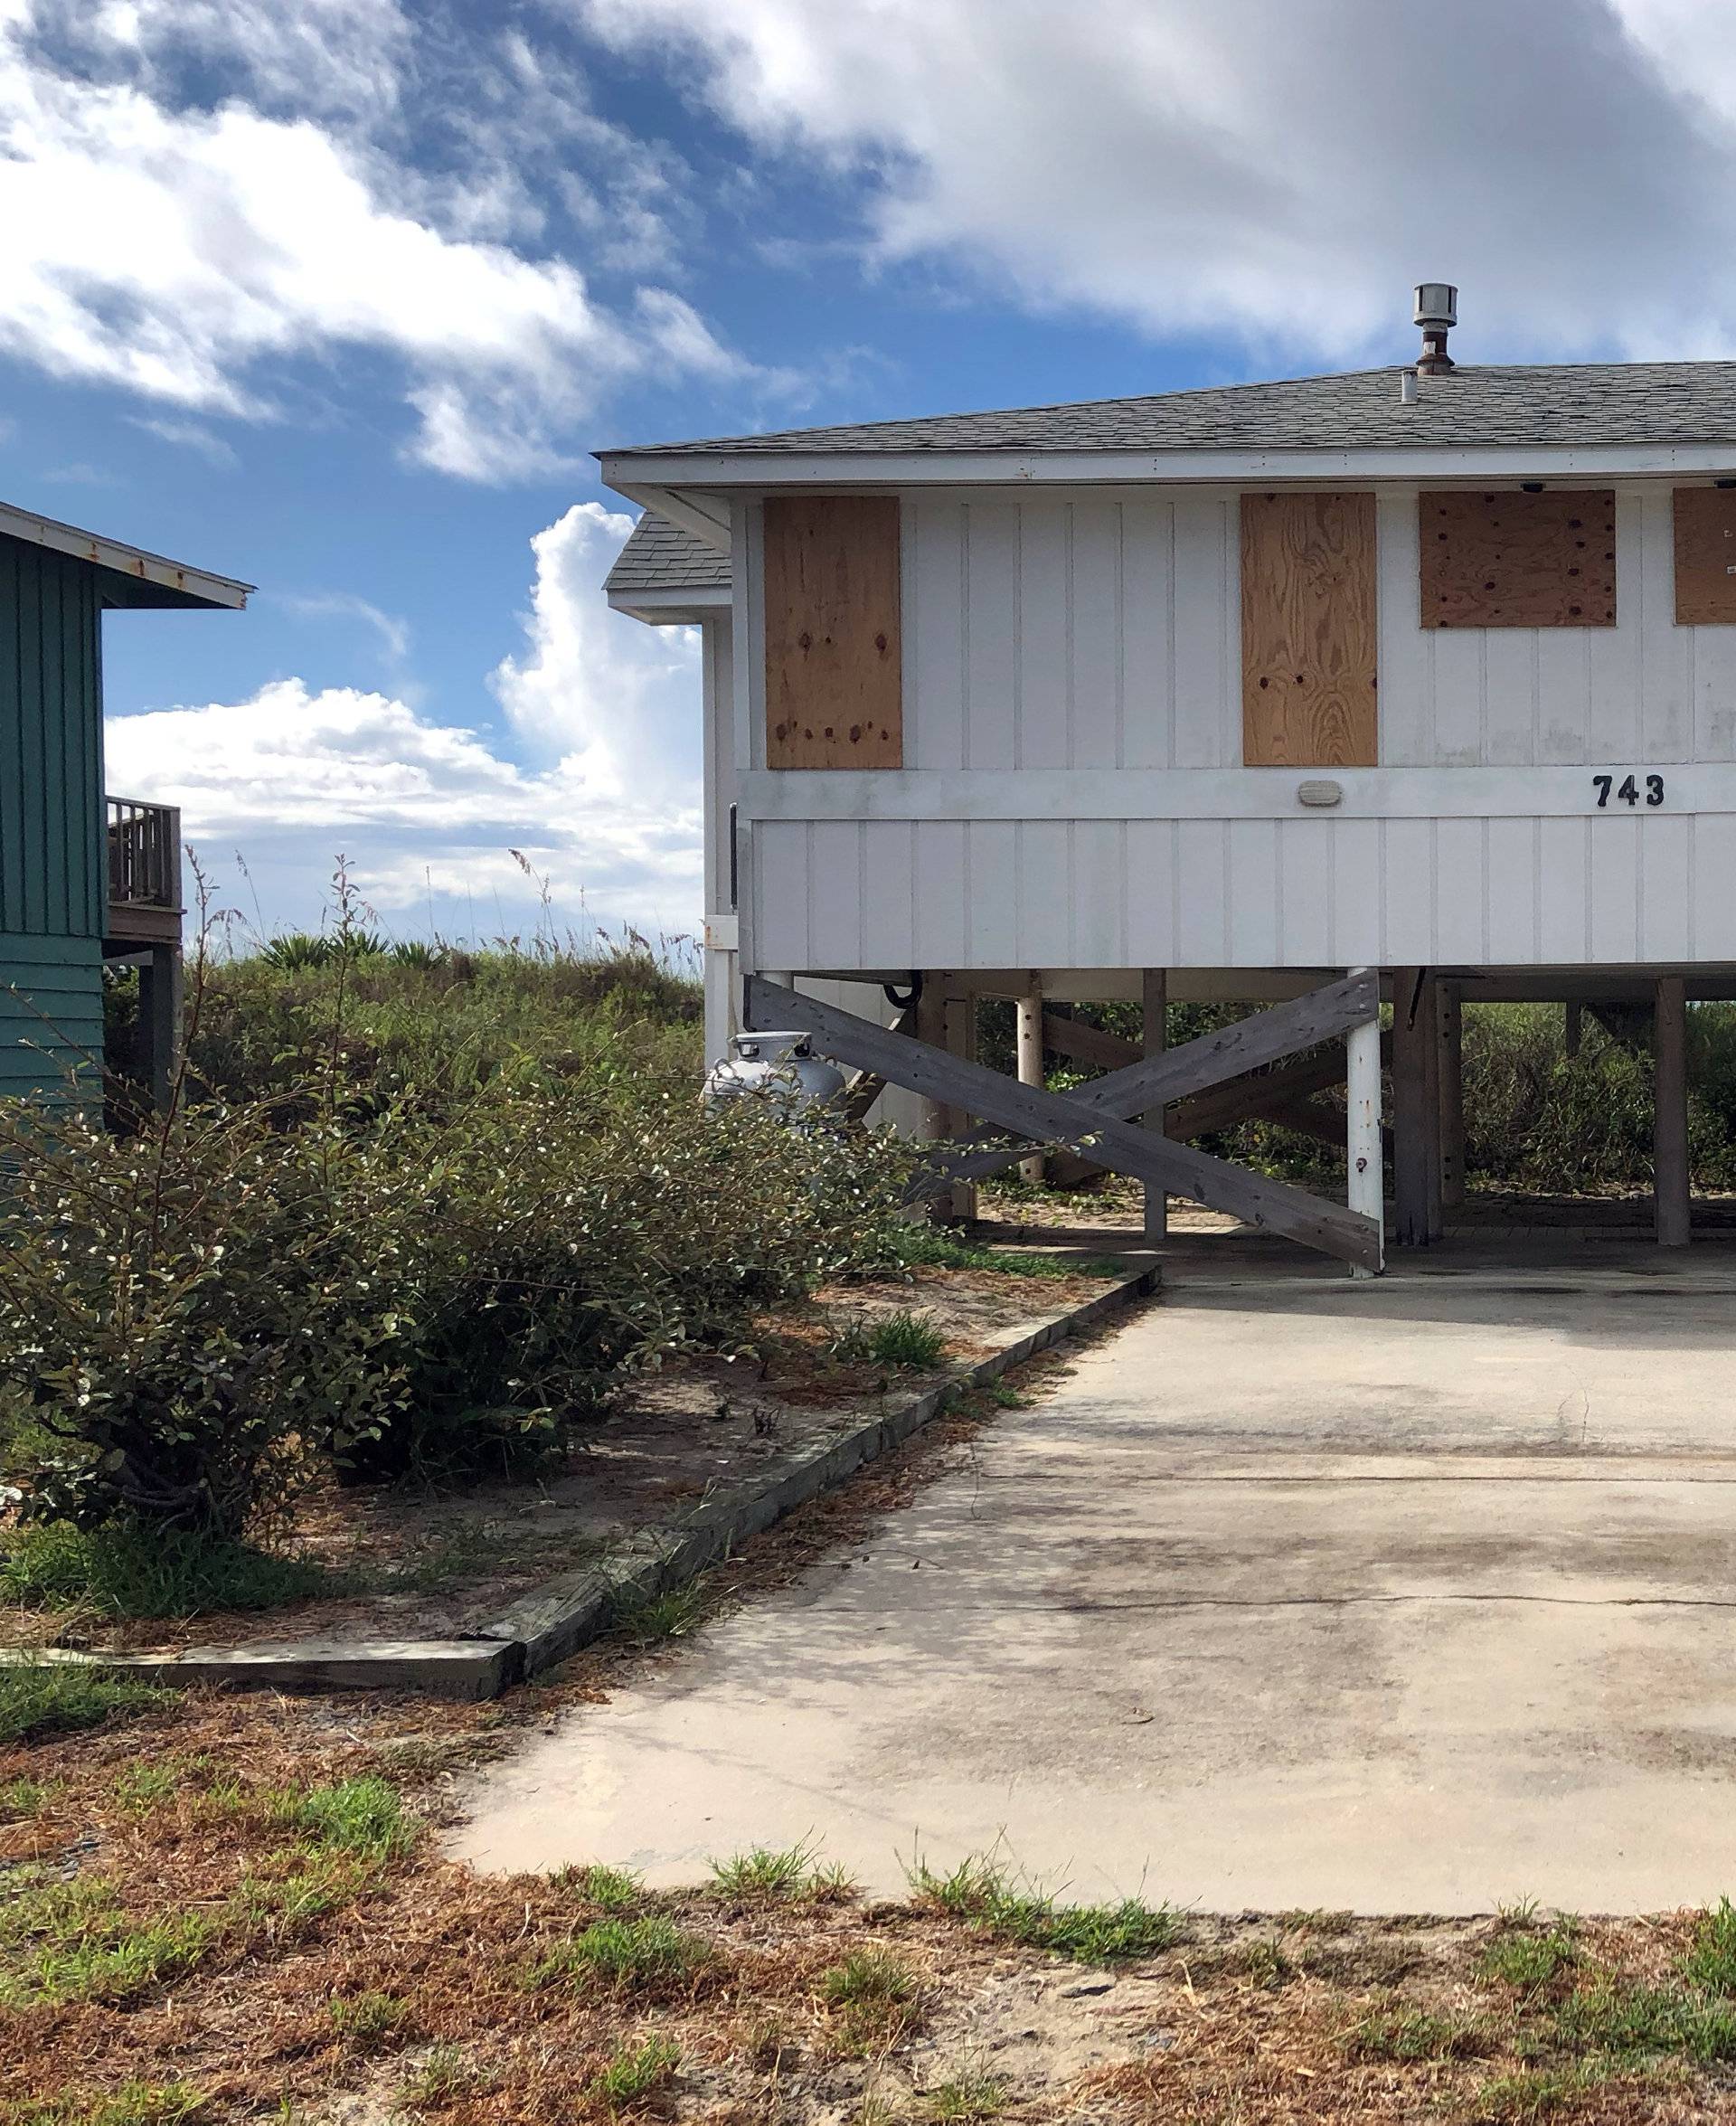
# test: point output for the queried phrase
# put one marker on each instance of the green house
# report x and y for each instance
(84, 877)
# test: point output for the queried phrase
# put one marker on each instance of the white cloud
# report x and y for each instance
(615, 697)
(185, 254)
(188, 435)
(1282, 169)
(430, 811)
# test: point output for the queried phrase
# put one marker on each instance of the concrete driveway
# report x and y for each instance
(1399, 1596)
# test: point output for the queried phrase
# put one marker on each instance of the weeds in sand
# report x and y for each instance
(1645, 2022)
(362, 1816)
(50, 1697)
(22, 1799)
(1528, 1962)
(1266, 1963)
(968, 2094)
(637, 2072)
(1711, 1962)
(368, 2018)
(1416, 2033)
(442, 2076)
(126, 1570)
(1532, 2093)
(612, 1890)
(907, 1341)
(994, 1902)
(762, 1875)
(1517, 1914)
(647, 1955)
(133, 2103)
(644, 1619)
(74, 1941)
(872, 1996)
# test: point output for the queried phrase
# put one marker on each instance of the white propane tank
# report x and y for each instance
(783, 1065)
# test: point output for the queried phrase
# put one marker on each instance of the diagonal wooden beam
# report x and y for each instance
(1213, 1059)
(1066, 1118)
(1087, 1044)
(1246, 1099)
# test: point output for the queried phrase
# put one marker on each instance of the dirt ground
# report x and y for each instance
(409, 1561)
(230, 1908)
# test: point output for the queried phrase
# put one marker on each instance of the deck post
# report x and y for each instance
(1029, 1009)
(1155, 1036)
(933, 1116)
(961, 1040)
(1573, 1026)
(1367, 1188)
(1670, 1126)
(1416, 1107)
(1452, 1096)
(159, 1020)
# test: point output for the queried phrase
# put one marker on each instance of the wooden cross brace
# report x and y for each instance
(1091, 1121)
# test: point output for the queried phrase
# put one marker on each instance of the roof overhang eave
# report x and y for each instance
(133, 576)
(672, 607)
(690, 487)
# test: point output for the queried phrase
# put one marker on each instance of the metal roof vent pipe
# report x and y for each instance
(1437, 312)
(1406, 387)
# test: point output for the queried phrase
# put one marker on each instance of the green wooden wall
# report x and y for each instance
(53, 867)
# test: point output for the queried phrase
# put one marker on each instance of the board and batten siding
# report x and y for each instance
(1073, 793)
(53, 885)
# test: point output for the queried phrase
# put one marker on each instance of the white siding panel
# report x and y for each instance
(1208, 682)
(1564, 692)
(1615, 889)
(1203, 913)
(1148, 638)
(1665, 689)
(1101, 893)
(1095, 638)
(1564, 891)
(887, 891)
(1045, 894)
(1665, 886)
(1404, 667)
(1304, 892)
(1045, 589)
(833, 895)
(1513, 892)
(1355, 898)
(1714, 857)
(782, 873)
(935, 677)
(1253, 892)
(1461, 887)
(1152, 861)
(1458, 696)
(992, 628)
(1715, 693)
(991, 853)
(1509, 694)
(942, 932)
(1410, 894)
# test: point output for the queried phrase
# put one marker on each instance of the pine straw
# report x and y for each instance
(1246, 2019)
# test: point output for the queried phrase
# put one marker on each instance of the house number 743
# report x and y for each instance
(1628, 792)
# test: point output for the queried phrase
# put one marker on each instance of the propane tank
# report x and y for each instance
(782, 1066)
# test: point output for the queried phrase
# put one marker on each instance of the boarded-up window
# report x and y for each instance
(1518, 560)
(1308, 631)
(1705, 556)
(833, 666)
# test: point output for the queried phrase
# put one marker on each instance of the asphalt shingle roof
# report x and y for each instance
(1556, 403)
(660, 556)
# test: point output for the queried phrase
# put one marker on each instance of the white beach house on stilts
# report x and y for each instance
(1414, 684)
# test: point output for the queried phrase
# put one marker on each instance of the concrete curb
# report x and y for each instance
(569, 1611)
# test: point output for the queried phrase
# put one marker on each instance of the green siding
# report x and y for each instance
(51, 1013)
(52, 851)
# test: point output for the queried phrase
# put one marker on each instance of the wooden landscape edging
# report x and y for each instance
(1088, 1121)
(567, 1611)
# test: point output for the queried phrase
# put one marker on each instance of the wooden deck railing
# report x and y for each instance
(144, 855)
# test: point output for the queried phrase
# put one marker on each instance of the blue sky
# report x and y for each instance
(336, 295)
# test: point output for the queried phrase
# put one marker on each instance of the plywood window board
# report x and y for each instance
(1308, 631)
(834, 661)
(1705, 556)
(1515, 560)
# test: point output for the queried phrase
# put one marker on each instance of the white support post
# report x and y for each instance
(1030, 1038)
(933, 1124)
(1362, 1146)
(1155, 999)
